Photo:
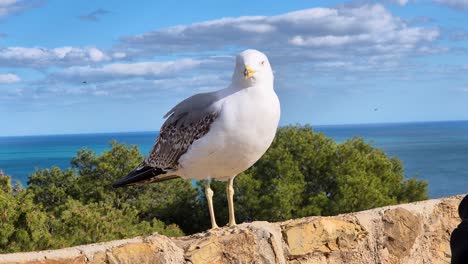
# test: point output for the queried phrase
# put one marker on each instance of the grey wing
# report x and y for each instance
(188, 121)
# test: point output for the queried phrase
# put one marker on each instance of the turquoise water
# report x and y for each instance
(437, 151)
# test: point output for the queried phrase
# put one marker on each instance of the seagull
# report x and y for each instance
(216, 135)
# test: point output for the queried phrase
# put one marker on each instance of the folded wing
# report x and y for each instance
(188, 121)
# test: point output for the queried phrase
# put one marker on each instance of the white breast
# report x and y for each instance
(237, 139)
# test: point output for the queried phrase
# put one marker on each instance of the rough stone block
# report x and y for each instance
(322, 235)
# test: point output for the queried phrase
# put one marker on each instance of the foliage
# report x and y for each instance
(26, 223)
(77, 224)
(303, 173)
(23, 224)
(90, 182)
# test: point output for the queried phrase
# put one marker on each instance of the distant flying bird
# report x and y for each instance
(216, 135)
(85, 82)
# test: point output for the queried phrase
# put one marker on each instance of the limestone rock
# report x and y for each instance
(153, 249)
(401, 228)
(73, 260)
(259, 242)
(415, 233)
(322, 235)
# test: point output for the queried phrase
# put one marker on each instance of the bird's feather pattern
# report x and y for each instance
(188, 121)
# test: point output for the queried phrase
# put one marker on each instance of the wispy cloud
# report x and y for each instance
(369, 30)
(457, 35)
(361, 35)
(175, 88)
(352, 40)
(95, 15)
(9, 78)
(34, 57)
(141, 89)
(420, 20)
(119, 71)
(11, 7)
(456, 4)
(399, 2)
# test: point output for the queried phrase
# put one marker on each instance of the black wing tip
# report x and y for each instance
(122, 182)
(118, 184)
(138, 175)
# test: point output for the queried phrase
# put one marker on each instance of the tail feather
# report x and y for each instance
(143, 174)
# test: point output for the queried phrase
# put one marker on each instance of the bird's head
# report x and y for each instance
(252, 67)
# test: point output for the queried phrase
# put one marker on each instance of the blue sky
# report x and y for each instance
(107, 66)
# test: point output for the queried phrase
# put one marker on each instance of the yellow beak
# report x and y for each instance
(248, 72)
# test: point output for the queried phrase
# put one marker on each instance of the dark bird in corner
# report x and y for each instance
(459, 237)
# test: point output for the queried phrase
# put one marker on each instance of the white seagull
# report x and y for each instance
(216, 135)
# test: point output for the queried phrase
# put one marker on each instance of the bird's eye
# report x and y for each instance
(263, 62)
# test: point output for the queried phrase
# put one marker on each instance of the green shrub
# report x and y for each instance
(303, 173)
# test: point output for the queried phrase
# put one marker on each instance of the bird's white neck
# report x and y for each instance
(240, 84)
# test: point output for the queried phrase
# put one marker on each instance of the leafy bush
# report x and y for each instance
(303, 173)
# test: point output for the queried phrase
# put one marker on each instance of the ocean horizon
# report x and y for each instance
(433, 151)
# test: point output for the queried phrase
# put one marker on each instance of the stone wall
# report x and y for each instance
(409, 233)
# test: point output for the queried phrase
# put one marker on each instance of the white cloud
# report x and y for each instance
(197, 83)
(178, 86)
(141, 89)
(400, 2)
(33, 57)
(96, 55)
(116, 71)
(7, 2)
(100, 93)
(456, 35)
(256, 28)
(9, 78)
(457, 4)
(119, 55)
(367, 30)
(362, 33)
(10, 7)
(318, 41)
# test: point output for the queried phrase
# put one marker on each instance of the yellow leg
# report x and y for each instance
(230, 198)
(209, 198)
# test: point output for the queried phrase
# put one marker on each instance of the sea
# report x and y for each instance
(436, 152)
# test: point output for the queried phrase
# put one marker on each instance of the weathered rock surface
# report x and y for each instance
(407, 234)
(322, 235)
